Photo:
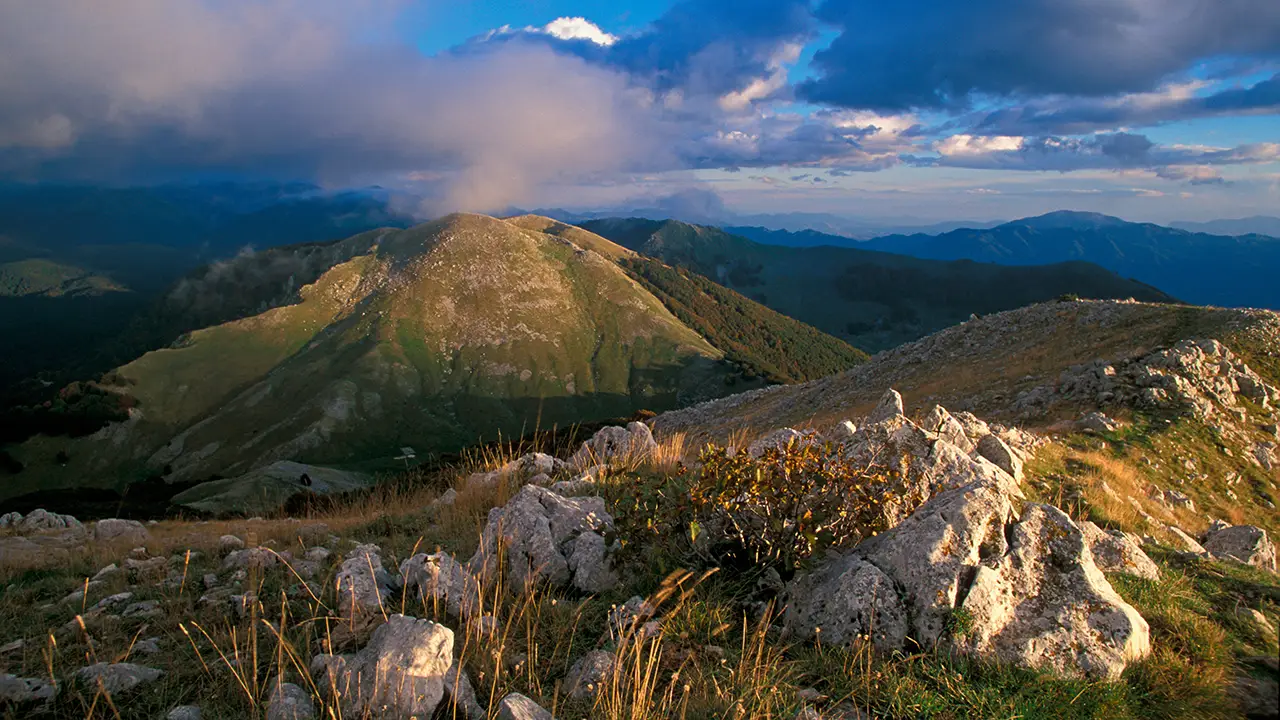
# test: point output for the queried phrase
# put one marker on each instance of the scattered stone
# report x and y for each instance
(551, 538)
(518, 707)
(585, 677)
(229, 543)
(149, 646)
(517, 472)
(363, 584)
(184, 712)
(400, 673)
(633, 443)
(115, 530)
(443, 579)
(317, 554)
(1243, 543)
(256, 558)
(1186, 542)
(106, 572)
(143, 568)
(117, 678)
(1115, 552)
(42, 520)
(846, 601)
(1097, 422)
(25, 691)
(143, 610)
(1179, 499)
(290, 702)
(1046, 605)
(635, 612)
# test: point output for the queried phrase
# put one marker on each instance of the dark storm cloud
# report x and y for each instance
(941, 53)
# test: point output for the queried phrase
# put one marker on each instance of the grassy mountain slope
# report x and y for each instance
(1195, 266)
(873, 300)
(438, 336)
(36, 276)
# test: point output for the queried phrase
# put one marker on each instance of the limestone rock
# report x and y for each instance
(1186, 542)
(634, 442)
(1046, 605)
(889, 407)
(946, 426)
(363, 584)
(114, 530)
(520, 471)
(25, 691)
(840, 433)
(229, 544)
(1097, 422)
(1115, 552)
(400, 673)
(256, 558)
(998, 451)
(41, 520)
(184, 712)
(551, 538)
(843, 601)
(933, 553)
(1243, 543)
(441, 578)
(117, 678)
(587, 674)
(518, 707)
(290, 702)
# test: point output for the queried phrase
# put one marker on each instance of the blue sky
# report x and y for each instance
(919, 110)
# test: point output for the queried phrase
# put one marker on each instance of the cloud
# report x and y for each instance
(579, 28)
(943, 54)
(301, 89)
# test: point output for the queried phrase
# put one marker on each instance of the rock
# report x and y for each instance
(41, 520)
(777, 440)
(1257, 695)
(363, 584)
(12, 647)
(150, 646)
(149, 567)
(632, 614)
(840, 433)
(10, 520)
(551, 538)
(117, 678)
(1097, 422)
(184, 712)
(585, 677)
(518, 707)
(290, 702)
(889, 407)
(520, 471)
(400, 673)
(844, 601)
(1115, 552)
(933, 553)
(106, 572)
(1046, 605)
(460, 696)
(946, 426)
(115, 530)
(229, 544)
(256, 558)
(1243, 543)
(142, 610)
(25, 691)
(1179, 499)
(998, 452)
(446, 499)
(442, 579)
(633, 443)
(317, 554)
(1186, 542)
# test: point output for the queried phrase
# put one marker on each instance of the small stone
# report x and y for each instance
(116, 678)
(586, 676)
(290, 702)
(518, 707)
(184, 712)
(229, 544)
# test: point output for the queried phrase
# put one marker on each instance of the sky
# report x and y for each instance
(912, 110)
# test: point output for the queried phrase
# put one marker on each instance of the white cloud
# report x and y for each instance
(578, 28)
(977, 145)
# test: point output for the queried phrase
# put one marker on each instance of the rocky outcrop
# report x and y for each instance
(1243, 543)
(546, 537)
(845, 601)
(40, 521)
(889, 408)
(1045, 604)
(611, 444)
(1115, 552)
(1004, 457)
(399, 674)
(518, 472)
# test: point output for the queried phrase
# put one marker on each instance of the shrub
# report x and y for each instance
(784, 506)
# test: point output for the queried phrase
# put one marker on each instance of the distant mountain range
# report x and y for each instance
(1256, 225)
(1234, 271)
(874, 300)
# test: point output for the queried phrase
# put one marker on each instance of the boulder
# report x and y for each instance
(549, 538)
(947, 427)
(844, 601)
(1045, 604)
(117, 678)
(442, 579)
(1001, 454)
(399, 674)
(586, 676)
(114, 530)
(631, 443)
(363, 584)
(41, 520)
(933, 553)
(889, 407)
(1115, 552)
(1243, 543)
(518, 707)
(290, 702)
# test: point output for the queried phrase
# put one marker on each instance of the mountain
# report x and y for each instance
(873, 300)
(462, 330)
(1256, 225)
(1194, 266)
(37, 276)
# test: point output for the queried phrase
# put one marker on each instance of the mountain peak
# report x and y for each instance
(1069, 220)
